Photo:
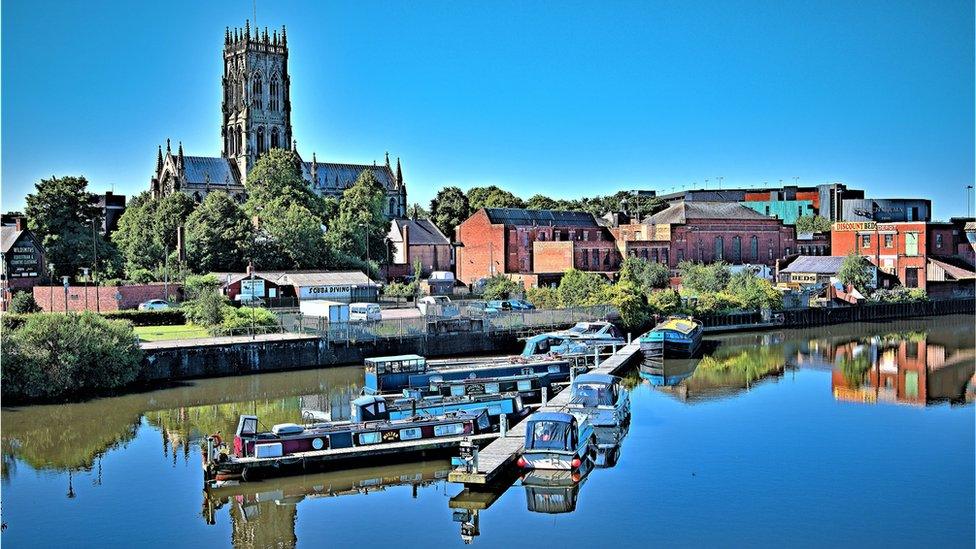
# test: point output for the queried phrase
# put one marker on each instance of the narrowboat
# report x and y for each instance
(557, 440)
(601, 399)
(393, 374)
(677, 336)
(405, 407)
(528, 386)
(290, 448)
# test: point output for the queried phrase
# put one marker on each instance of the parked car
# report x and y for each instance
(364, 312)
(439, 305)
(481, 308)
(501, 305)
(154, 305)
(522, 305)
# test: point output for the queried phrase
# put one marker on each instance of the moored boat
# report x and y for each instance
(676, 336)
(395, 373)
(403, 407)
(557, 440)
(597, 332)
(528, 386)
(601, 399)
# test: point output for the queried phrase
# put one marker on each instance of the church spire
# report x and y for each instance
(247, 30)
(180, 156)
(284, 36)
(167, 147)
(387, 159)
(399, 174)
(227, 36)
(159, 159)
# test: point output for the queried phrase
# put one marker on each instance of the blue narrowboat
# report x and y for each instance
(528, 386)
(392, 407)
(393, 374)
(550, 344)
(557, 440)
(677, 336)
(601, 399)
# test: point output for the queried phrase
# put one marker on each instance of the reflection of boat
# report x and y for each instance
(552, 492)
(608, 443)
(677, 336)
(667, 373)
(601, 399)
(289, 448)
(557, 440)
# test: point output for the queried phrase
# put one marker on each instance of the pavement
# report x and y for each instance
(222, 340)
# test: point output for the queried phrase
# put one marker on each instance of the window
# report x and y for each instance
(719, 248)
(938, 240)
(911, 244)
(681, 255)
(457, 390)
(240, 139)
(524, 385)
(273, 94)
(448, 430)
(754, 248)
(596, 258)
(889, 240)
(584, 259)
(664, 256)
(410, 434)
(393, 210)
(911, 277)
(492, 388)
(370, 438)
(787, 252)
(586, 235)
(865, 241)
(275, 139)
(653, 254)
(257, 93)
(799, 211)
(736, 249)
(770, 252)
(261, 148)
(767, 210)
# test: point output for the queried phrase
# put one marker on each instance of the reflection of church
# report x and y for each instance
(256, 117)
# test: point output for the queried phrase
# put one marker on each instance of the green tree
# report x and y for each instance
(294, 234)
(208, 308)
(23, 302)
(360, 214)
(448, 209)
(630, 302)
(136, 237)
(543, 297)
(277, 176)
(61, 212)
(493, 197)
(195, 285)
(501, 287)
(171, 212)
(541, 202)
(812, 224)
(644, 275)
(754, 292)
(218, 235)
(581, 288)
(664, 302)
(856, 271)
(416, 211)
(713, 277)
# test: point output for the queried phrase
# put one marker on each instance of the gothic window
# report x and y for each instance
(257, 93)
(240, 140)
(273, 94)
(736, 249)
(719, 248)
(261, 148)
(392, 206)
(754, 248)
(275, 140)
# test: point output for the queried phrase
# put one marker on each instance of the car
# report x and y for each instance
(481, 308)
(501, 305)
(154, 305)
(522, 305)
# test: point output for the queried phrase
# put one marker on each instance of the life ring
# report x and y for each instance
(317, 443)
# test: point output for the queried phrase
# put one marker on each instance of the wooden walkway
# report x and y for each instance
(498, 456)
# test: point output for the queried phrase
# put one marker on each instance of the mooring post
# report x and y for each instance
(628, 338)
(503, 424)
(596, 356)
(545, 396)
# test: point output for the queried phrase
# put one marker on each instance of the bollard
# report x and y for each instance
(503, 424)
(545, 396)
(628, 338)
(596, 357)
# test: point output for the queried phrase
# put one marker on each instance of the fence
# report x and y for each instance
(400, 328)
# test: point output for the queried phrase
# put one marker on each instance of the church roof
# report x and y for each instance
(341, 176)
(201, 170)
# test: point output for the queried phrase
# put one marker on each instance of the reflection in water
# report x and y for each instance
(264, 513)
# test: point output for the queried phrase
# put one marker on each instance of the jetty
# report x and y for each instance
(496, 458)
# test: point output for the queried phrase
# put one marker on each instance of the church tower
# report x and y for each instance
(257, 105)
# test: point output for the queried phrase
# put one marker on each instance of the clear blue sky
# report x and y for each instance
(560, 98)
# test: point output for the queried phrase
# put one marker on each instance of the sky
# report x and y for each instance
(566, 99)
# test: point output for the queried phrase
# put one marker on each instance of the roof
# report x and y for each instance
(561, 417)
(595, 378)
(9, 237)
(682, 325)
(394, 357)
(683, 211)
(326, 278)
(201, 170)
(820, 264)
(422, 231)
(519, 216)
(956, 268)
(333, 176)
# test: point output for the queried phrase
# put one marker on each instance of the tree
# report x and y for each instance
(208, 307)
(629, 301)
(171, 212)
(218, 235)
(294, 234)
(501, 287)
(23, 302)
(493, 197)
(448, 209)
(646, 276)
(136, 237)
(195, 285)
(704, 278)
(63, 215)
(541, 202)
(664, 302)
(581, 288)
(854, 270)
(812, 224)
(416, 211)
(277, 175)
(754, 292)
(360, 221)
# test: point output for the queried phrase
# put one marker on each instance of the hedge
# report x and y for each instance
(168, 317)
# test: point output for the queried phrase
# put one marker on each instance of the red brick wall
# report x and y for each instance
(481, 241)
(932, 237)
(844, 242)
(686, 240)
(432, 258)
(101, 298)
(552, 256)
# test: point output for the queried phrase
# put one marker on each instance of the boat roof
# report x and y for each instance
(561, 417)
(683, 325)
(595, 378)
(366, 399)
(395, 357)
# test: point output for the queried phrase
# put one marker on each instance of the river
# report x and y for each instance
(856, 434)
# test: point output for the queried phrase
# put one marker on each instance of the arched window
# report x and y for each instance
(393, 210)
(754, 248)
(736, 249)
(275, 139)
(273, 103)
(240, 139)
(261, 148)
(719, 248)
(256, 92)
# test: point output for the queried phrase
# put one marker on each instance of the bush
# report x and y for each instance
(581, 288)
(142, 276)
(23, 302)
(754, 292)
(629, 301)
(245, 317)
(704, 278)
(168, 317)
(501, 287)
(543, 298)
(899, 295)
(12, 321)
(208, 308)
(56, 356)
(195, 285)
(400, 289)
(645, 275)
(664, 302)
(717, 302)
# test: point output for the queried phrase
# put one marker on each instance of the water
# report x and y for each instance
(859, 434)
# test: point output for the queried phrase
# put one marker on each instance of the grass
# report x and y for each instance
(180, 331)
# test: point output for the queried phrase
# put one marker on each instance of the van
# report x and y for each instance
(364, 312)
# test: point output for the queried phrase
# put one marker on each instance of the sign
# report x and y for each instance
(252, 288)
(803, 278)
(325, 292)
(23, 259)
(854, 226)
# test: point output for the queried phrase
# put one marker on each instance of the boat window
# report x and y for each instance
(449, 429)
(592, 394)
(250, 426)
(410, 434)
(551, 435)
(491, 388)
(553, 369)
(457, 390)
(370, 438)
(525, 385)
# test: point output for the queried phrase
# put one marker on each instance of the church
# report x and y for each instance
(256, 117)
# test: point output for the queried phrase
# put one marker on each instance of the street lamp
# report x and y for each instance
(366, 232)
(969, 201)
(50, 267)
(85, 271)
(64, 279)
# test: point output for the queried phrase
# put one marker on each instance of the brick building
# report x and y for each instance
(707, 232)
(413, 239)
(533, 246)
(102, 298)
(23, 256)
(786, 202)
(898, 249)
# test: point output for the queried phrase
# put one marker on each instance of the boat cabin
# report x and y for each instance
(528, 386)
(601, 399)
(377, 408)
(392, 373)
(595, 330)
(677, 336)
(556, 440)
(552, 343)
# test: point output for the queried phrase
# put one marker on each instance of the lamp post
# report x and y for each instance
(85, 271)
(98, 307)
(50, 308)
(252, 299)
(64, 279)
(366, 233)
